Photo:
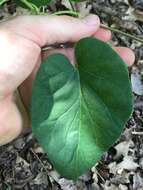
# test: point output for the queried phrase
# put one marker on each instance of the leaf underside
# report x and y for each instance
(78, 112)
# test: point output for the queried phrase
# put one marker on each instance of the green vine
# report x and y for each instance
(31, 6)
(2, 1)
(69, 12)
(122, 33)
(72, 6)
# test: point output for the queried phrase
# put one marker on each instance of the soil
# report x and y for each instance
(24, 165)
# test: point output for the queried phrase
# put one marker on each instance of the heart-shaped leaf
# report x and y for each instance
(78, 112)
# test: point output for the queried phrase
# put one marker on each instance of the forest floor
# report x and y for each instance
(24, 166)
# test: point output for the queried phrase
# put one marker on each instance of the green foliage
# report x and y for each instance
(78, 112)
(31, 4)
(38, 3)
(2, 1)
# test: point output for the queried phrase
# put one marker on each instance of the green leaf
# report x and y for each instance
(78, 112)
(38, 3)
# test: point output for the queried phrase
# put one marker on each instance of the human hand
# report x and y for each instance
(21, 40)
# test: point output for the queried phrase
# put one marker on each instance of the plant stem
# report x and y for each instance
(71, 12)
(72, 7)
(33, 7)
(2, 1)
(123, 33)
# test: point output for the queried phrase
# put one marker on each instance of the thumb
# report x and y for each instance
(54, 29)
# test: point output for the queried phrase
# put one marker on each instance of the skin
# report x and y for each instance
(21, 40)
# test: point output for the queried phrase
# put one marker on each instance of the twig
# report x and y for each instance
(39, 160)
(70, 12)
(73, 8)
(42, 165)
(137, 133)
(98, 173)
(48, 174)
(122, 33)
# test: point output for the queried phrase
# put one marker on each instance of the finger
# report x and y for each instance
(126, 54)
(51, 29)
(10, 121)
(18, 57)
(25, 88)
(103, 34)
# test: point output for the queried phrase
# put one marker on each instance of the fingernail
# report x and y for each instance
(91, 20)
